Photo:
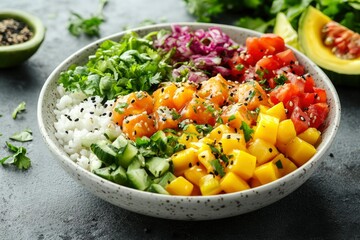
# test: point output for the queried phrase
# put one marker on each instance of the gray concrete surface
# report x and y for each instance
(45, 203)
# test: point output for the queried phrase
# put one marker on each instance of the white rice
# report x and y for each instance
(82, 121)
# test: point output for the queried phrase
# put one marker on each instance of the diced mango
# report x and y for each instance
(266, 173)
(187, 139)
(195, 173)
(286, 132)
(310, 135)
(180, 186)
(277, 111)
(209, 185)
(191, 128)
(231, 141)
(299, 151)
(284, 165)
(262, 150)
(217, 132)
(233, 183)
(205, 157)
(267, 128)
(254, 182)
(184, 159)
(242, 164)
(263, 108)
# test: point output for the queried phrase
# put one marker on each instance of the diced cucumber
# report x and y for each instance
(156, 188)
(135, 164)
(138, 178)
(125, 157)
(120, 142)
(119, 175)
(157, 166)
(104, 151)
(166, 179)
(105, 172)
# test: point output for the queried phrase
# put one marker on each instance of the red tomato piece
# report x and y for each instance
(320, 95)
(286, 57)
(317, 114)
(300, 119)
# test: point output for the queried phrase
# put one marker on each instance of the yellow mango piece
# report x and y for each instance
(205, 157)
(263, 108)
(209, 185)
(191, 128)
(242, 164)
(183, 160)
(233, 183)
(284, 165)
(299, 151)
(187, 139)
(254, 182)
(286, 132)
(195, 173)
(217, 132)
(277, 111)
(180, 186)
(266, 128)
(262, 150)
(266, 173)
(310, 135)
(231, 141)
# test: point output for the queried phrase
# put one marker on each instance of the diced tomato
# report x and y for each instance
(317, 113)
(237, 66)
(300, 119)
(309, 84)
(286, 57)
(307, 99)
(273, 43)
(268, 44)
(283, 93)
(139, 125)
(267, 65)
(320, 95)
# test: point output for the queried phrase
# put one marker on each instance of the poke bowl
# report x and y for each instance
(193, 156)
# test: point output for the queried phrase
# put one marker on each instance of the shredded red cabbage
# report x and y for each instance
(205, 51)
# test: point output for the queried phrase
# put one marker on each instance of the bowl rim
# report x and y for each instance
(231, 196)
(34, 23)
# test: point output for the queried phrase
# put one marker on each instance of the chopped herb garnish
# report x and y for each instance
(280, 80)
(23, 136)
(89, 26)
(247, 131)
(232, 117)
(218, 167)
(239, 67)
(20, 108)
(19, 158)
(278, 164)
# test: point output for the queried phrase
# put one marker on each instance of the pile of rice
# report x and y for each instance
(81, 121)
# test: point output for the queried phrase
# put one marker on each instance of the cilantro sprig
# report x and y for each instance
(20, 108)
(19, 158)
(90, 26)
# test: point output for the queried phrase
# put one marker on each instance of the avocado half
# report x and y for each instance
(340, 71)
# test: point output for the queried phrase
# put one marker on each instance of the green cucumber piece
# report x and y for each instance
(120, 142)
(119, 176)
(104, 151)
(138, 178)
(125, 157)
(105, 172)
(157, 166)
(166, 179)
(156, 188)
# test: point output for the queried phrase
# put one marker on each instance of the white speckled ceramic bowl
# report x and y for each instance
(177, 207)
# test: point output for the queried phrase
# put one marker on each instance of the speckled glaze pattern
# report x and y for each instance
(177, 207)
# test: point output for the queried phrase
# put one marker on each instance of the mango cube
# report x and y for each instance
(266, 173)
(242, 164)
(263, 151)
(277, 111)
(183, 160)
(233, 183)
(217, 132)
(187, 139)
(231, 141)
(299, 151)
(205, 157)
(286, 132)
(195, 173)
(310, 135)
(284, 165)
(209, 185)
(180, 186)
(267, 128)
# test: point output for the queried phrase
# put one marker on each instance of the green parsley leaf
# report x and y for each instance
(280, 80)
(89, 26)
(278, 164)
(19, 158)
(23, 136)
(20, 108)
(218, 167)
(232, 117)
(248, 131)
